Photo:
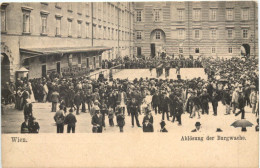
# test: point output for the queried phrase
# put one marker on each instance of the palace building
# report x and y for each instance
(46, 37)
(198, 28)
(60, 37)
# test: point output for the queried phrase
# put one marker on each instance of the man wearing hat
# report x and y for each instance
(71, 120)
(148, 117)
(204, 97)
(226, 99)
(34, 126)
(163, 124)
(147, 126)
(198, 126)
(133, 106)
(165, 106)
(241, 104)
(97, 122)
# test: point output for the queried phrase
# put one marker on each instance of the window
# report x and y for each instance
(180, 14)
(197, 50)
(245, 33)
(181, 33)
(196, 14)
(69, 27)
(87, 30)
(213, 14)
(213, 33)
(230, 50)
(108, 31)
(69, 7)
(100, 32)
(3, 19)
(138, 35)
(87, 9)
(157, 35)
(58, 5)
(213, 50)
(245, 14)
(157, 15)
(79, 28)
(105, 33)
(79, 59)
(139, 51)
(112, 34)
(87, 59)
(181, 50)
(94, 31)
(26, 22)
(230, 33)
(79, 8)
(229, 14)
(197, 33)
(58, 26)
(44, 23)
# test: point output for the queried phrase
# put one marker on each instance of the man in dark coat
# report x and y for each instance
(241, 104)
(27, 109)
(164, 106)
(59, 119)
(71, 120)
(133, 106)
(156, 102)
(226, 100)
(197, 129)
(34, 126)
(179, 110)
(215, 98)
(205, 98)
(163, 124)
(97, 122)
(147, 126)
(121, 121)
(172, 105)
(77, 102)
(148, 117)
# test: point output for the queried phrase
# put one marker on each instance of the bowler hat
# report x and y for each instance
(219, 130)
(71, 110)
(197, 124)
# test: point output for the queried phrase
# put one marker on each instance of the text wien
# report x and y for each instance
(18, 139)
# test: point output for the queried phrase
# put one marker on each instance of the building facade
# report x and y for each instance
(198, 28)
(46, 37)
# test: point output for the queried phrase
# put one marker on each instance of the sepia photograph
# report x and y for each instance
(151, 77)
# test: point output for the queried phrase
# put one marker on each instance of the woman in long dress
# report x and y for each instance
(32, 94)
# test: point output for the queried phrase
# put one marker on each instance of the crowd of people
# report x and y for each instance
(233, 82)
(139, 63)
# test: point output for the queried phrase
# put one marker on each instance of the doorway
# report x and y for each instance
(246, 49)
(139, 51)
(5, 69)
(43, 70)
(58, 67)
(152, 50)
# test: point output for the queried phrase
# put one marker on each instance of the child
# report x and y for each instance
(111, 117)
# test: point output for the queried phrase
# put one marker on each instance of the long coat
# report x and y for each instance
(148, 118)
(148, 127)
